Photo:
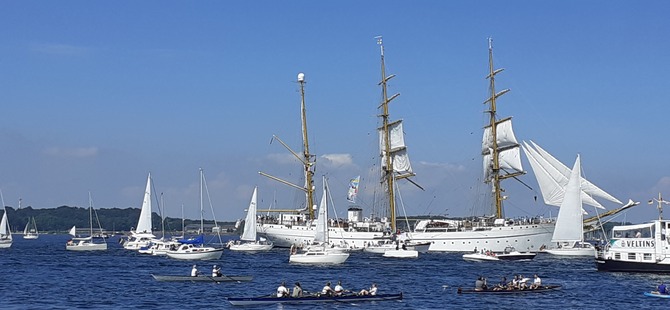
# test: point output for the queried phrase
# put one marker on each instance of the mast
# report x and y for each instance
(202, 221)
(307, 157)
(496, 171)
(387, 167)
(90, 213)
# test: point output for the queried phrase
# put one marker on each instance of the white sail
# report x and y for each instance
(400, 158)
(249, 233)
(569, 225)
(144, 222)
(587, 186)
(25, 230)
(553, 176)
(73, 231)
(509, 156)
(321, 233)
(4, 226)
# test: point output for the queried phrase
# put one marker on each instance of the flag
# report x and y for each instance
(353, 189)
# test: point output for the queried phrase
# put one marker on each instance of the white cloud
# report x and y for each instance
(79, 152)
(337, 160)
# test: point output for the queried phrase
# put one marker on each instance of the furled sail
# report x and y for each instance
(144, 223)
(509, 156)
(569, 226)
(398, 149)
(249, 233)
(553, 176)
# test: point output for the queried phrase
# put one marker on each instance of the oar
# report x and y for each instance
(222, 276)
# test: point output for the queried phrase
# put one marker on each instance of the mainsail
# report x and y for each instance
(321, 233)
(569, 226)
(249, 233)
(553, 176)
(144, 223)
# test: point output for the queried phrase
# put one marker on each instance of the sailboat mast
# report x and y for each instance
(202, 221)
(388, 167)
(90, 213)
(307, 157)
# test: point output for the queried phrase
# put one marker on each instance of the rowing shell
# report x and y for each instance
(490, 291)
(201, 278)
(243, 301)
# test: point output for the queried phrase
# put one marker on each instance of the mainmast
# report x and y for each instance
(494, 150)
(388, 171)
(307, 159)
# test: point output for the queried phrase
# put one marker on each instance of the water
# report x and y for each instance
(41, 274)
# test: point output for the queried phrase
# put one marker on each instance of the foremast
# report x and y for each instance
(504, 142)
(307, 159)
(395, 162)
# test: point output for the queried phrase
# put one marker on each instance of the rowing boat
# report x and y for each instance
(264, 300)
(656, 294)
(201, 278)
(540, 289)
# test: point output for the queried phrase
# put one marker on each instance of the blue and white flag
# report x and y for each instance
(353, 189)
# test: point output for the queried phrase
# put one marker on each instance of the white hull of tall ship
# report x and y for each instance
(190, 252)
(85, 244)
(401, 253)
(530, 236)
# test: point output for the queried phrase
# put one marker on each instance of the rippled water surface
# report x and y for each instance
(40, 274)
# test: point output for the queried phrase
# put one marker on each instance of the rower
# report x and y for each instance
(297, 290)
(216, 271)
(194, 271)
(327, 290)
(537, 283)
(339, 290)
(282, 291)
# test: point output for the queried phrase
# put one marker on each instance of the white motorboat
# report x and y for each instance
(480, 257)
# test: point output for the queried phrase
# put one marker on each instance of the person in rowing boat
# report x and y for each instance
(502, 285)
(537, 282)
(327, 290)
(194, 271)
(297, 290)
(339, 290)
(480, 284)
(216, 271)
(282, 291)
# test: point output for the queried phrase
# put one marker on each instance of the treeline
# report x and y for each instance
(61, 219)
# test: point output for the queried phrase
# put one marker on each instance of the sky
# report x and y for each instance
(96, 95)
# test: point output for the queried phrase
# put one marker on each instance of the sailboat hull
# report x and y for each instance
(319, 257)
(205, 254)
(30, 237)
(573, 252)
(251, 247)
(87, 247)
(4, 244)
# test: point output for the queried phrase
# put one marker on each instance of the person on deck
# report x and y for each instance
(339, 290)
(297, 290)
(327, 290)
(194, 271)
(282, 291)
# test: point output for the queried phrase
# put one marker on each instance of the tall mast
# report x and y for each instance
(496, 175)
(307, 157)
(388, 167)
(90, 213)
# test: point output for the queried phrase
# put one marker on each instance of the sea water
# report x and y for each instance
(41, 274)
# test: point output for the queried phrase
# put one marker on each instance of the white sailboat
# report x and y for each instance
(319, 253)
(194, 248)
(249, 233)
(569, 232)
(86, 243)
(5, 231)
(161, 245)
(30, 231)
(142, 235)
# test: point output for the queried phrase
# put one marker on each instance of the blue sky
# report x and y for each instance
(95, 95)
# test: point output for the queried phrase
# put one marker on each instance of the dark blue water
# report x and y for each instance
(40, 274)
